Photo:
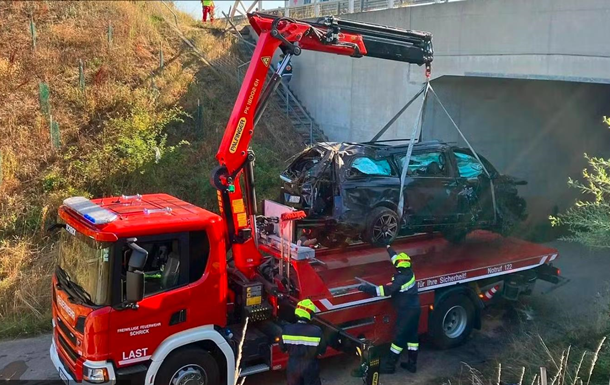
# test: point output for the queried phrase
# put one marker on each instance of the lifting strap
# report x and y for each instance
(491, 182)
(398, 114)
(405, 165)
(418, 123)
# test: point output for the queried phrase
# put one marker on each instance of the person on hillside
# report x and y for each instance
(208, 9)
(405, 298)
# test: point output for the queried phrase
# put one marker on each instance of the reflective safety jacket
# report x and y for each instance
(302, 340)
(403, 290)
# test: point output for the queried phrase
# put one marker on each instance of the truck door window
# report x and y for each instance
(163, 265)
(429, 164)
(199, 250)
(370, 167)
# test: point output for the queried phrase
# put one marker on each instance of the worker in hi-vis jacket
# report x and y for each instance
(403, 290)
(304, 342)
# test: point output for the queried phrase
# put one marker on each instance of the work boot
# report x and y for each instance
(388, 366)
(411, 364)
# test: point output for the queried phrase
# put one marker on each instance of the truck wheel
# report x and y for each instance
(189, 366)
(452, 321)
(381, 227)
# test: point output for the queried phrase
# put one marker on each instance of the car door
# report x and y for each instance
(431, 188)
(476, 184)
(368, 182)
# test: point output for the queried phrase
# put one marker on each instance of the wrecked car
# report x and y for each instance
(352, 190)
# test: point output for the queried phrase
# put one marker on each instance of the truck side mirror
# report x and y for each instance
(137, 261)
(135, 275)
(135, 286)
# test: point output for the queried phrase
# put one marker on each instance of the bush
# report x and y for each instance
(589, 220)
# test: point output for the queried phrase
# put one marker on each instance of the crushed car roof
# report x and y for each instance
(389, 147)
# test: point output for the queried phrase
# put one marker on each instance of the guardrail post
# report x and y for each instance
(286, 9)
(350, 6)
(390, 3)
(316, 8)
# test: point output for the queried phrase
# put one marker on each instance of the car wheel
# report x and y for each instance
(381, 227)
(451, 322)
(455, 235)
(188, 366)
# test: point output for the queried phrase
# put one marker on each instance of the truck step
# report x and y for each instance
(254, 369)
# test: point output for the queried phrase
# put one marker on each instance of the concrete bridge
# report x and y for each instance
(528, 81)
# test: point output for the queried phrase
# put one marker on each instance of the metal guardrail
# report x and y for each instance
(338, 7)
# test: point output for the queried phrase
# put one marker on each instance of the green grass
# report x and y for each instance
(130, 131)
(25, 327)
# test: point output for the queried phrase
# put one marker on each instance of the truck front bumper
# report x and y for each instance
(67, 378)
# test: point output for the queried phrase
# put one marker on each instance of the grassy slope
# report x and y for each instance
(130, 131)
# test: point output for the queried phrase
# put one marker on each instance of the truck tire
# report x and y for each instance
(188, 365)
(381, 227)
(451, 322)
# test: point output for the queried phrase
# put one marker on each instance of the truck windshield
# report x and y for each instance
(84, 269)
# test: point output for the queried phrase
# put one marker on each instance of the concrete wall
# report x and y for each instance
(536, 130)
(531, 39)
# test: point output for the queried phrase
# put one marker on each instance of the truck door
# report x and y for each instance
(135, 333)
(431, 188)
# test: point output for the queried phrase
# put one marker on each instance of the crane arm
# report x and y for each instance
(330, 35)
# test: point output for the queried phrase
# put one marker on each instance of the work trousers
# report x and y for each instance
(406, 334)
(208, 10)
(303, 371)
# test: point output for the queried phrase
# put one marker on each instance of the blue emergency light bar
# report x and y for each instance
(90, 211)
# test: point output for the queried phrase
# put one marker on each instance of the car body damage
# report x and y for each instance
(352, 190)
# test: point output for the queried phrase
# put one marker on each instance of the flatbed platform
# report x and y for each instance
(437, 263)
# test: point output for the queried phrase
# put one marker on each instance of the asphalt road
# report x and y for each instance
(28, 359)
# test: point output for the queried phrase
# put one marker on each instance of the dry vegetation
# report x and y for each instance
(131, 130)
(572, 346)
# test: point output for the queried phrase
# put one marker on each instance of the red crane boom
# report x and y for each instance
(328, 35)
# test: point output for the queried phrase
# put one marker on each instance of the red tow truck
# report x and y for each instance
(155, 290)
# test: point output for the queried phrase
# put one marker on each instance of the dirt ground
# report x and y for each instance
(27, 359)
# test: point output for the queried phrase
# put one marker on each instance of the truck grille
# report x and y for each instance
(66, 347)
(66, 366)
(69, 335)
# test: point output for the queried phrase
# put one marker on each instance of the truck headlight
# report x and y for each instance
(95, 375)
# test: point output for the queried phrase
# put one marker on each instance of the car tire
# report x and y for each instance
(381, 227)
(452, 321)
(188, 363)
(455, 235)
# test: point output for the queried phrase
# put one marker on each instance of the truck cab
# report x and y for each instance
(99, 327)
